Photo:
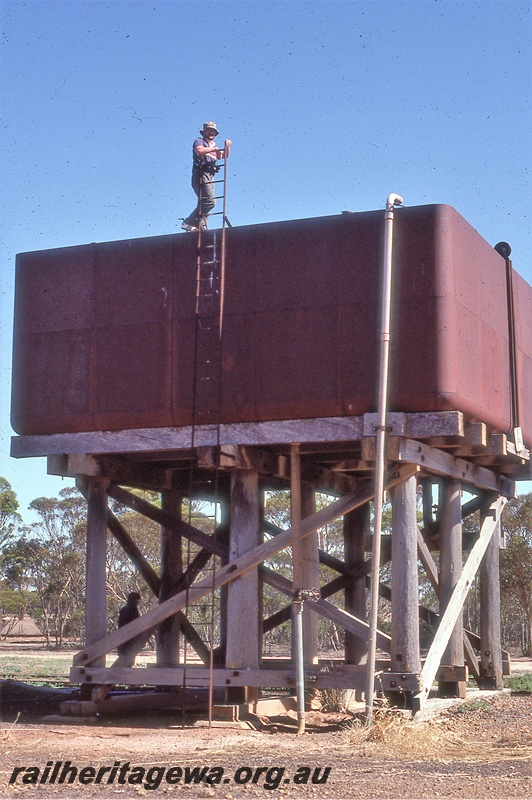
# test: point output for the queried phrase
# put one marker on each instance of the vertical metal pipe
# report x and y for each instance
(297, 628)
(380, 455)
(211, 671)
(504, 250)
(297, 603)
(224, 229)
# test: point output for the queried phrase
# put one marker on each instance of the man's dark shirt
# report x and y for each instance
(128, 613)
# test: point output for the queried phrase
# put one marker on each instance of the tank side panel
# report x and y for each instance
(523, 322)
(104, 334)
(414, 354)
(131, 367)
(472, 323)
(302, 348)
(54, 306)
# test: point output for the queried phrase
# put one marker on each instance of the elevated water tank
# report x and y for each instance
(104, 333)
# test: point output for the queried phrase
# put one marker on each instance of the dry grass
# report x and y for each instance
(7, 734)
(391, 735)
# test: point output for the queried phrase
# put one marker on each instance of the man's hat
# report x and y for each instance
(210, 124)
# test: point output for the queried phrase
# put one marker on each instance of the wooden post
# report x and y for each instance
(354, 530)
(95, 594)
(450, 571)
(310, 575)
(405, 652)
(243, 624)
(225, 503)
(490, 615)
(171, 570)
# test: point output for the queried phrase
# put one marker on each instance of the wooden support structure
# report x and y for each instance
(405, 652)
(310, 575)
(243, 624)
(168, 633)
(455, 604)
(336, 455)
(491, 670)
(355, 527)
(95, 577)
(450, 573)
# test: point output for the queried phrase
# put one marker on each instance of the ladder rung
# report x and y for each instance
(206, 316)
(208, 312)
(210, 335)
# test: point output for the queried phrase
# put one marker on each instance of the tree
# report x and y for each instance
(12, 603)
(10, 519)
(17, 594)
(516, 571)
(58, 566)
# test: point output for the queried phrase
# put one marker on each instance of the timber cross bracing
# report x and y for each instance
(337, 456)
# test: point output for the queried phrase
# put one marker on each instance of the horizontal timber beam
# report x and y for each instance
(324, 429)
(443, 463)
(333, 429)
(196, 677)
(141, 475)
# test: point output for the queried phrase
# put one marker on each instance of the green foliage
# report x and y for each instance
(34, 668)
(479, 705)
(44, 566)
(10, 519)
(519, 683)
(516, 571)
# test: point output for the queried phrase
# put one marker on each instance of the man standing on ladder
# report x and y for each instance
(205, 153)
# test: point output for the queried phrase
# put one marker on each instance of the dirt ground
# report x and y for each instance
(482, 752)
(482, 749)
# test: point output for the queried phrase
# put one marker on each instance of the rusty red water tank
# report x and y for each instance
(104, 333)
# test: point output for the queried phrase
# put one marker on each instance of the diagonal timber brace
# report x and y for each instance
(167, 520)
(187, 629)
(460, 592)
(239, 566)
(343, 618)
(152, 579)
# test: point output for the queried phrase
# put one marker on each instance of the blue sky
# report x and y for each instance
(330, 105)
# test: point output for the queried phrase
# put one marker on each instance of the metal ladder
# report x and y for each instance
(210, 279)
(207, 376)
